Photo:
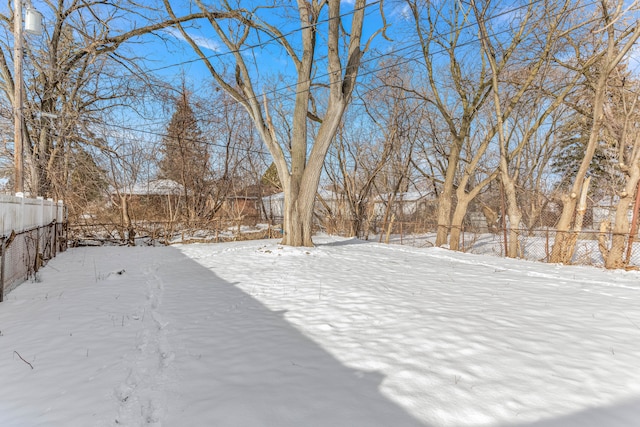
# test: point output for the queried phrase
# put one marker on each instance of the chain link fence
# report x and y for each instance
(483, 231)
(169, 232)
(591, 246)
(534, 245)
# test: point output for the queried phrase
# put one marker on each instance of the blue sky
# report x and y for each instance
(179, 59)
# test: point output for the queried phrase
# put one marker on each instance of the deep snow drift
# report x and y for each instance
(345, 334)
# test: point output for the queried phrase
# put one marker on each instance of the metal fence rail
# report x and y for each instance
(32, 231)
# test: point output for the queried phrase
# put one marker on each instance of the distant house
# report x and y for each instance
(156, 187)
(404, 205)
(273, 207)
(247, 202)
(155, 199)
(328, 203)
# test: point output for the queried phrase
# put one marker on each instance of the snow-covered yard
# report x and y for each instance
(344, 334)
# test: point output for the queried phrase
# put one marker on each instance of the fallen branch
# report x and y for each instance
(23, 359)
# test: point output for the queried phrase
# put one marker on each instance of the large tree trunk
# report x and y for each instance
(614, 256)
(456, 222)
(561, 252)
(513, 210)
(300, 188)
(620, 233)
(446, 195)
(565, 242)
(464, 198)
(515, 217)
(298, 219)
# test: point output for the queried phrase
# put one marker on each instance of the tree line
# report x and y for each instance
(530, 101)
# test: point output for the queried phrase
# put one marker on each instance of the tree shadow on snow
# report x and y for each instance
(237, 363)
(347, 242)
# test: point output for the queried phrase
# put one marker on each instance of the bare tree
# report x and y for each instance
(396, 118)
(457, 91)
(526, 78)
(298, 161)
(533, 165)
(237, 159)
(125, 161)
(73, 74)
(623, 126)
(353, 165)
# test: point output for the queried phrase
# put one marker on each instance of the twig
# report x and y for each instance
(23, 359)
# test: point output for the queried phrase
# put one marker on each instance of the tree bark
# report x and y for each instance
(614, 257)
(456, 222)
(126, 220)
(445, 199)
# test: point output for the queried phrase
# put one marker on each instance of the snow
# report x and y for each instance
(536, 247)
(348, 333)
(156, 187)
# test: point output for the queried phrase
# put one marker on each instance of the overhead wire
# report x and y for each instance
(265, 43)
(285, 88)
(167, 135)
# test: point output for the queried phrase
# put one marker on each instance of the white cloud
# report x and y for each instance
(203, 42)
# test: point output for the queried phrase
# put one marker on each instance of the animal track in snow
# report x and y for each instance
(141, 396)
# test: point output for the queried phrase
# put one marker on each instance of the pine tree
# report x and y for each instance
(574, 136)
(186, 156)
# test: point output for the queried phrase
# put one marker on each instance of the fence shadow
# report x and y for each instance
(622, 414)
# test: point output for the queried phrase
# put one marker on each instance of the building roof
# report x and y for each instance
(156, 187)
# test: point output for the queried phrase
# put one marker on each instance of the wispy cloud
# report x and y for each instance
(401, 13)
(203, 42)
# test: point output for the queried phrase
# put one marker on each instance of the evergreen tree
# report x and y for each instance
(270, 178)
(86, 183)
(185, 156)
(574, 136)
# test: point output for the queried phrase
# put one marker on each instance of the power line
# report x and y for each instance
(265, 43)
(287, 87)
(274, 38)
(166, 135)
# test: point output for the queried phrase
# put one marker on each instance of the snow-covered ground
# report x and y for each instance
(347, 333)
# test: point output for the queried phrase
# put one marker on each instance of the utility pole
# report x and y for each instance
(18, 85)
(33, 25)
